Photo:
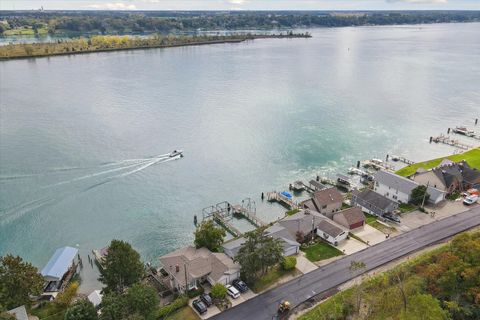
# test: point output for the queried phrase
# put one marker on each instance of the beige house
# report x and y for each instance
(189, 267)
(326, 201)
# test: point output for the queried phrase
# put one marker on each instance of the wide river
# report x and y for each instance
(79, 134)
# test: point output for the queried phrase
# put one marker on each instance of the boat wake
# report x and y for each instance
(82, 183)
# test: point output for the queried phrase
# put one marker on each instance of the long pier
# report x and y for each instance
(451, 142)
(248, 211)
(462, 131)
(221, 213)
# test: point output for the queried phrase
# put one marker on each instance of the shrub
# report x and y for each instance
(219, 291)
(289, 263)
(178, 303)
(195, 292)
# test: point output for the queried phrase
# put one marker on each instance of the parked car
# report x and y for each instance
(206, 299)
(392, 218)
(240, 285)
(233, 292)
(470, 200)
(199, 306)
(471, 192)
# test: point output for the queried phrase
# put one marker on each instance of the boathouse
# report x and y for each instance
(61, 267)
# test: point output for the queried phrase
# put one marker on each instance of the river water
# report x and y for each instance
(80, 133)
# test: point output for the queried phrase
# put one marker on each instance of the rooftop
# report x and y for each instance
(59, 263)
(352, 215)
(330, 228)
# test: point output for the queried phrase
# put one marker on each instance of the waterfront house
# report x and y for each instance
(61, 267)
(276, 231)
(449, 177)
(326, 201)
(331, 231)
(399, 189)
(189, 267)
(351, 218)
(301, 223)
(373, 203)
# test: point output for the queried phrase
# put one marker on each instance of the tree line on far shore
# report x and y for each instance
(102, 22)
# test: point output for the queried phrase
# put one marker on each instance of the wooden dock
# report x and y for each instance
(278, 197)
(248, 211)
(221, 213)
(469, 133)
(451, 142)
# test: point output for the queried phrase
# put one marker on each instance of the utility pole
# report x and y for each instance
(425, 194)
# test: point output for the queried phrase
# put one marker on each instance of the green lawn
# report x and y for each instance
(472, 157)
(24, 32)
(186, 313)
(321, 251)
(406, 207)
(292, 212)
(272, 276)
(369, 218)
(345, 206)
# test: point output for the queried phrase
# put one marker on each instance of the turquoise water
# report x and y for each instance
(251, 118)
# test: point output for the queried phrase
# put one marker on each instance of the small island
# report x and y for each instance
(114, 43)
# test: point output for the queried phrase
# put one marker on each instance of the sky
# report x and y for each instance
(241, 4)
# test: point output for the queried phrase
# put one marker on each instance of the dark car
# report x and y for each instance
(392, 217)
(240, 285)
(206, 299)
(199, 306)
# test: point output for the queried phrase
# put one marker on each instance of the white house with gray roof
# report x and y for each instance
(399, 189)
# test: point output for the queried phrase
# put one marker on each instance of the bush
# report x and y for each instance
(289, 263)
(195, 292)
(219, 291)
(178, 303)
(81, 310)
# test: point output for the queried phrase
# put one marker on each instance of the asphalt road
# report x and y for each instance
(264, 306)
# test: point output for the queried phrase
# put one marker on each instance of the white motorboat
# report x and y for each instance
(176, 153)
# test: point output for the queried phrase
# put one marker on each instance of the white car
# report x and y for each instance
(470, 200)
(233, 292)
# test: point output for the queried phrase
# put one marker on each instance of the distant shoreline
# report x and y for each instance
(48, 45)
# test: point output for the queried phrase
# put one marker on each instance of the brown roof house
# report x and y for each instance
(350, 218)
(189, 267)
(326, 201)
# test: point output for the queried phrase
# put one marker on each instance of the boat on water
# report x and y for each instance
(394, 157)
(176, 153)
(464, 131)
(297, 186)
(357, 171)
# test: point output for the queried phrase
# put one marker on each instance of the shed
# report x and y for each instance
(59, 264)
(95, 297)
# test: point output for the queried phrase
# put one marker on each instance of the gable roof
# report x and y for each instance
(59, 263)
(196, 263)
(375, 199)
(301, 221)
(326, 197)
(20, 313)
(395, 181)
(352, 215)
(330, 228)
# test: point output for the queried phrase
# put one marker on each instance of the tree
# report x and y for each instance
(419, 194)
(113, 306)
(219, 291)
(258, 254)
(65, 298)
(423, 307)
(141, 299)
(355, 268)
(18, 281)
(123, 267)
(81, 310)
(289, 263)
(209, 236)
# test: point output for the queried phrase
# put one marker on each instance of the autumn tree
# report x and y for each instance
(18, 281)
(141, 299)
(209, 236)
(123, 267)
(81, 310)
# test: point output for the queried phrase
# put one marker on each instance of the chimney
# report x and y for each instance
(177, 268)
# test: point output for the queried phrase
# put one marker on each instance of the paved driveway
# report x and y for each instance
(351, 246)
(369, 234)
(303, 264)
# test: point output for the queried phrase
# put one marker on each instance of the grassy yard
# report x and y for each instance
(406, 207)
(186, 313)
(292, 212)
(321, 251)
(369, 218)
(272, 276)
(472, 157)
